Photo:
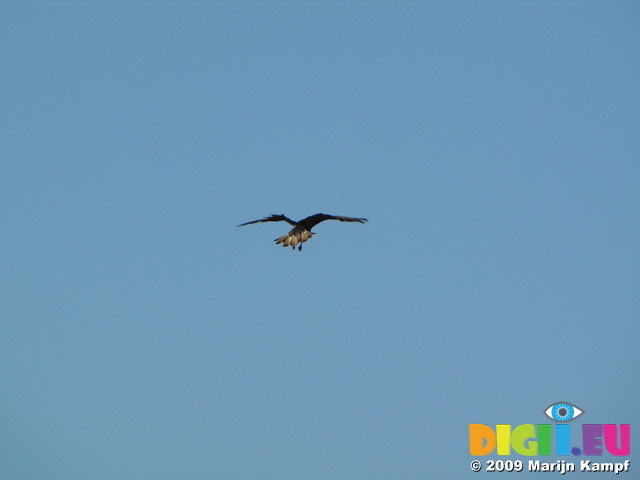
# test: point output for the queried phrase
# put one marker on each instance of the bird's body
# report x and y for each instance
(301, 231)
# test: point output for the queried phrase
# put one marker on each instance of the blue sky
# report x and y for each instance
(494, 147)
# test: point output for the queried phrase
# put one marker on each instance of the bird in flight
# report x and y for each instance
(301, 231)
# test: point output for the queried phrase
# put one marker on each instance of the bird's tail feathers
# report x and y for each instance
(294, 237)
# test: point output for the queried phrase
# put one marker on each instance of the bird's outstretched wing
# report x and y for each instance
(313, 220)
(272, 218)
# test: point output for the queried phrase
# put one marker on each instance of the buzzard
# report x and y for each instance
(301, 231)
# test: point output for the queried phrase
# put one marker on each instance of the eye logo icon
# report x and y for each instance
(563, 412)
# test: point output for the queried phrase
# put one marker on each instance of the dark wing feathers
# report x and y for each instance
(272, 218)
(313, 220)
(307, 223)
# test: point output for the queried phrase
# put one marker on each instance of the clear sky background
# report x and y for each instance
(493, 145)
